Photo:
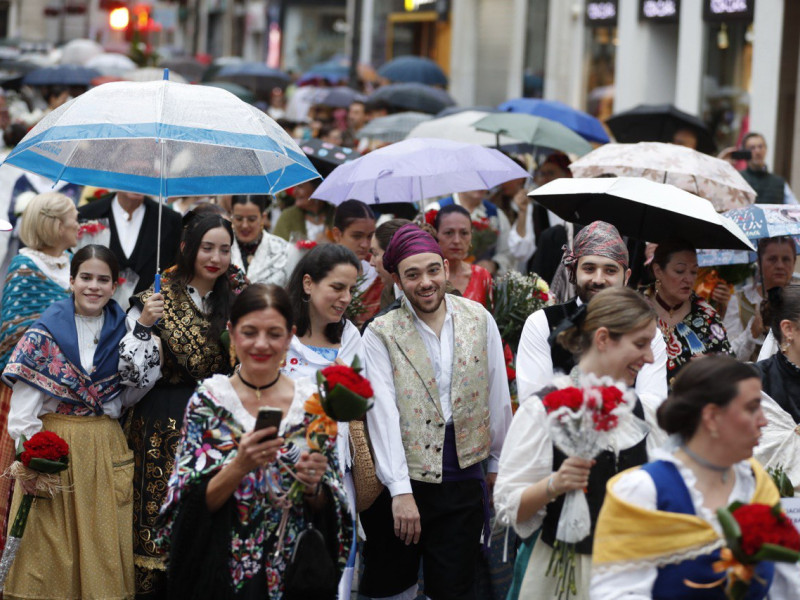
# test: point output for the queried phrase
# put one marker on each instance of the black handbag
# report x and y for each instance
(311, 573)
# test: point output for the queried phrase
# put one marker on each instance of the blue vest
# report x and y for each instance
(673, 496)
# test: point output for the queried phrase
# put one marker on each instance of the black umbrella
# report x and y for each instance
(67, 75)
(414, 96)
(326, 156)
(338, 97)
(658, 123)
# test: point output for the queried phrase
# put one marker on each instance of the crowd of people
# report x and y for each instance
(173, 493)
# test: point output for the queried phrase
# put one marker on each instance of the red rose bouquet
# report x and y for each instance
(581, 419)
(39, 462)
(305, 244)
(753, 533)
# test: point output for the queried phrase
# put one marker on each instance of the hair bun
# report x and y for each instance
(775, 295)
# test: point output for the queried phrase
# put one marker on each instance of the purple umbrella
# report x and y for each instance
(416, 169)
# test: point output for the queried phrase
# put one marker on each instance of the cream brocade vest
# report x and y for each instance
(422, 423)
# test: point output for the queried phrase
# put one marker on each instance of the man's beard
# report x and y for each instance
(439, 294)
(586, 292)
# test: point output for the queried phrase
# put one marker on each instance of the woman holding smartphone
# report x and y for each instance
(226, 530)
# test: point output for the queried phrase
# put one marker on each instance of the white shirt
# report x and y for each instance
(128, 225)
(638, 488)
(741, 338)
(28, 404)
(535, 364)
(384, 418)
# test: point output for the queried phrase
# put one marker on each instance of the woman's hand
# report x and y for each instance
(310, 468)
(153, 310)
(573, 474)
(257, 451)
(721, 293)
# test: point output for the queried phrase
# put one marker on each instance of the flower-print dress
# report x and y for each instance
(247, 537)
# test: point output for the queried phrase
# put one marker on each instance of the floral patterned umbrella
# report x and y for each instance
(711, 178)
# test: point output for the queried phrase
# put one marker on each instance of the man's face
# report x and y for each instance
(758, 147)
(356, 116)
(595, 273)
(685, 137)
(422, 278)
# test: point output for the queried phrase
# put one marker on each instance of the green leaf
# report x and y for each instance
(356, 364)
(775, 553)
(44, 465)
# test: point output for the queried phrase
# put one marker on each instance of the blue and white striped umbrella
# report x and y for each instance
(163, 139)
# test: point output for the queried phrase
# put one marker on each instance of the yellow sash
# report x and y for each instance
(628, 533)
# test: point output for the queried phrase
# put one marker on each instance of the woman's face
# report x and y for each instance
(624, 357)
(302, 196)
(454, 236)
(376, 260)
(93, 287)
(677, 277)
(357, 236)
(738, 424)
(261, 339)
(69, 229)
(248, 222)
(213, 256)
(331, 295)
(777, 265)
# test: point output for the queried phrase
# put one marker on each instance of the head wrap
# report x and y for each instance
(596, 239)
(560, 160)
(407, 241)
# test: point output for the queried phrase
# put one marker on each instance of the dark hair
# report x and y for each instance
(765, 243)
(666, 250)
(100, 253)
(259, 296)
(782, 304)
(260, 200)
(752, 135)
(349, 211)
(319, 261)
(386, 230)
(449, 210)
(620, 310)
(205, 209)
(195, 228)
(706, 380)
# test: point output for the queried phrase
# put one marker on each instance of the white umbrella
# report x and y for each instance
(111, 63)
(459, 127)
(78, 52)
(642, 209)
(152, 74)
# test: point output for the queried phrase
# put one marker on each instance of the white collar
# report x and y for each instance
(119, 211)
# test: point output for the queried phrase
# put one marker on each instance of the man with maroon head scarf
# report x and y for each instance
(598, 259)
(441, 409)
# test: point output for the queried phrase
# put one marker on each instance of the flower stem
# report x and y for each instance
(21, 519)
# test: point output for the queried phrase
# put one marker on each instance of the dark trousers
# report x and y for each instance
(451, 516)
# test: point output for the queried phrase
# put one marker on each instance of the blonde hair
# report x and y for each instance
(620, 310)
(42, 220)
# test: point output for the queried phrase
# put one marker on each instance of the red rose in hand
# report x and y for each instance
(349, 379)
(44, 444)
(759, 526)
(570, 397)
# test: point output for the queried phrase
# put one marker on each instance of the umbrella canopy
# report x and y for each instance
(413, 69)
(190, 68)
(111, 63)
(151, 74)
(66, 75)
(584, 124)
(255, 76)
(79, 52)
(331, 73)
(242, 93)
(163, 138)
(537, 131)
(414, 96)
(451, 110)
(392, 128)
(758, 221)
(459, 128)
(712, 178)
(338, 97)
(658, 123)
(416, 169)
(642, 209)
(326, 156)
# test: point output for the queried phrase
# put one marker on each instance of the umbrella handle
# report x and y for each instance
(157, 283)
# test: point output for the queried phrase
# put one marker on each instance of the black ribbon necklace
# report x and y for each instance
(255, 387)
(667, 307)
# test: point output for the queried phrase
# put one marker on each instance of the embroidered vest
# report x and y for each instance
(673, 496)
(422, 424)
(563, 360)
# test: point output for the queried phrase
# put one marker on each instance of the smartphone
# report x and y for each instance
(269, 417)
(741, 155)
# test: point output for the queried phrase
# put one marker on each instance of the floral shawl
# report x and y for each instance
(215, 422)
(48, 359)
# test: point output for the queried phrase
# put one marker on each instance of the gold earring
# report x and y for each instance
(785, 345)
(232, 351)
(283, 363)
(714, 433)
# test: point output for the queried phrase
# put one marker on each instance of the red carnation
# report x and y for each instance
(347, 378)
(430, 217)
(570, 397)
(760, 525)
(481, 225)
(46, 445)
(306, 244)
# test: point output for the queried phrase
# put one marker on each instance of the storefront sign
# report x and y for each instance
(728, 10)
(660, 11)
(600, 13)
